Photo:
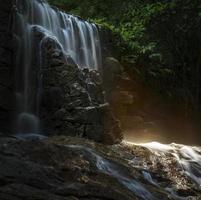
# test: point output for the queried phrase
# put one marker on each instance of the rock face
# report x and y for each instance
(72, 99)
(64, 168)
(6, 66)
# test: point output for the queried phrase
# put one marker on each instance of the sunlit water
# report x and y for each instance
(188, 160)
(189, 157)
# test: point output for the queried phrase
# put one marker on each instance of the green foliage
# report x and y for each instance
(177, 31)
(159, 40)
(126, 18)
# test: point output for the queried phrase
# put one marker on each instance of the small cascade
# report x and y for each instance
(188, 157)
(181, 165)
(76, 38)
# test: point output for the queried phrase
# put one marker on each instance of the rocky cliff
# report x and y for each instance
(6, 66)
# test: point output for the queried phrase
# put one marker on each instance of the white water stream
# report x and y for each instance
(188, 157)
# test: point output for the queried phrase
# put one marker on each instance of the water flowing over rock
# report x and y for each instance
(51, 88)
(77, 169)
(50, 80)
(36, 22)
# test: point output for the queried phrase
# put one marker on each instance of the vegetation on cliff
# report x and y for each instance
(164, 35)
(158, 42)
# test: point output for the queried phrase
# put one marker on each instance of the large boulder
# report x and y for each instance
(73, 101)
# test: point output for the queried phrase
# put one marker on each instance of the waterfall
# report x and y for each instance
(77, 38)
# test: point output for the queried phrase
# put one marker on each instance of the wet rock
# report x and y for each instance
(96, 93)
(80, 93)
(66, 175)
(61, 168)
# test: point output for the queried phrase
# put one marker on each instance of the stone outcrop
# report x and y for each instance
(72, 99)
(7, 96)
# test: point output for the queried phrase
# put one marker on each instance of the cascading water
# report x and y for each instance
(185, 159)
(189, 158)
(188, 161)
(77, 38)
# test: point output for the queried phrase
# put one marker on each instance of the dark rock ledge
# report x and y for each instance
(65, 168)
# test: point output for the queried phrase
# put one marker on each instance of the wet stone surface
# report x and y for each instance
(73, 101)
(73, 168)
